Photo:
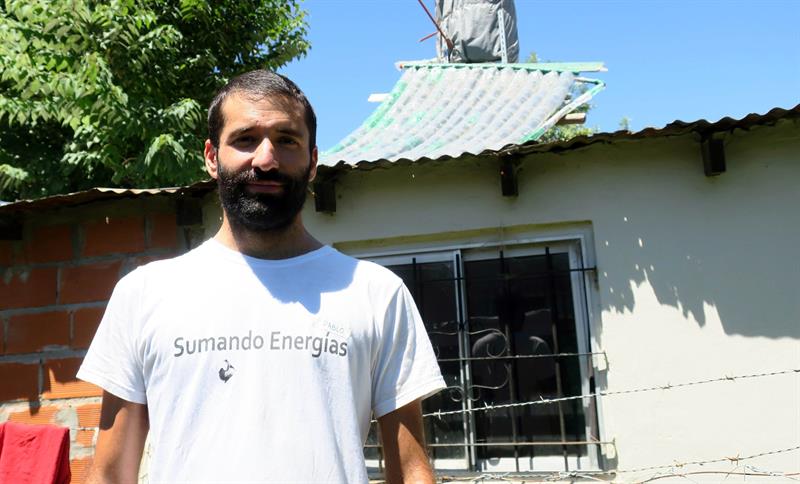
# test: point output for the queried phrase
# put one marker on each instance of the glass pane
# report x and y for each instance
(371, 451)
(522, 307)
(433, 286)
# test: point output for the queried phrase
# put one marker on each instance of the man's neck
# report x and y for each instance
(291, 241)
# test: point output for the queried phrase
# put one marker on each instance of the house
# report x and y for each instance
(619, 306)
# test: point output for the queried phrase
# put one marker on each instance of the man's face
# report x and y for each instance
(264, 162)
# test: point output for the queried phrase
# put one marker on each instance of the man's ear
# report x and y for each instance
(210, 155)
(312, 173)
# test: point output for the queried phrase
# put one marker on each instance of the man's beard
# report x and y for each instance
(261, 212)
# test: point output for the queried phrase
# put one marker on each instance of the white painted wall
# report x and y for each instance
(698, 277)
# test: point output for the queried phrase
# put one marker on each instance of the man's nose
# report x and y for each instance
(264, 156)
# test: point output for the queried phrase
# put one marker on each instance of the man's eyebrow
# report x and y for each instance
(238, 131)
(283, 130)
(290, 131)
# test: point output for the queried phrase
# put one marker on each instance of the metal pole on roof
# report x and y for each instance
(503, 47)
(441, 32)
(428, 37)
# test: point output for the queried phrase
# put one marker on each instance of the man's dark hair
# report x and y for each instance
(259, 84)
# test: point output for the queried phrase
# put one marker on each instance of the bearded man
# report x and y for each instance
(261, 355)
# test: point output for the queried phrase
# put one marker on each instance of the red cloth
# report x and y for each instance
(34, 454)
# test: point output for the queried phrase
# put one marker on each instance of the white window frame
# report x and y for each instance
(577, 242)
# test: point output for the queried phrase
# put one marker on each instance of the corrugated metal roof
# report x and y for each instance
(94, 194)
(447, 110)
(676, 128)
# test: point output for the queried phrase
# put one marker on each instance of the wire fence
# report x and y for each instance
(663, 471)
(667, 386)
(511, 331)
(733, 459)
(674, 469)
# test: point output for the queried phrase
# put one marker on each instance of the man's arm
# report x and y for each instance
(123, 430)
(404, 446)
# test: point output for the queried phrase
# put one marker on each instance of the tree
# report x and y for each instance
(563, 133)
(112, 93)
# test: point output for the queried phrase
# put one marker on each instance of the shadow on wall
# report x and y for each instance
(725, 244)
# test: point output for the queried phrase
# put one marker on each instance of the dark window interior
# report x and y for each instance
(494, 329)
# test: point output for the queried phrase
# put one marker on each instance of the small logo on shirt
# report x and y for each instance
(226, 373)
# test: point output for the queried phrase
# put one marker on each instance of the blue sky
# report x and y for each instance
(666, 60)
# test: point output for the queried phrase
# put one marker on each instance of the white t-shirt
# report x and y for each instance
(261, 370)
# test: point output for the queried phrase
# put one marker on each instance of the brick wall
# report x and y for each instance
(54, 286)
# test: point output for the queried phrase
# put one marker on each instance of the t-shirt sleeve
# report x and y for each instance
(113, 362)
(406, 367)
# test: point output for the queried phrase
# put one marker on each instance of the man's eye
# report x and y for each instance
(245, 140)
(286, 140)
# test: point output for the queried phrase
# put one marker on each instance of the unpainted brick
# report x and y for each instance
(89, 282)
(140, 261)
(163, 230)
(60, 380)
(85, 438)
(19, 381)
(28, 289)
(88, 415)
(113, 235)
(28, 333)
(79, 468)
(36, 415)
(50, 243)
(6, 252)
(84, 326)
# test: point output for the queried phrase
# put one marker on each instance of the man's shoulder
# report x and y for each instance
(378, 274)
(175, 266)
(367, 271)
(166, 264)
(371, 281)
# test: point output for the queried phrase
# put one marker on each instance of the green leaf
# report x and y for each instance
(104, 93)
(11, 177)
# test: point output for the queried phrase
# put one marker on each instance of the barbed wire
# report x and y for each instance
(734, 460)
(725, 473)
(520, 357)
(604, 475)
(561, 476)
(668, 386)
(518, 477)
(601, 476)
(764, 471)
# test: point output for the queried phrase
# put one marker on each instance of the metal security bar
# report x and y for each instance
(520, 444)
(494, 322)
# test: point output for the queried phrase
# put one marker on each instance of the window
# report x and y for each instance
(496, 318)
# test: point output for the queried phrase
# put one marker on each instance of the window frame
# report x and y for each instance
(577, 243)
